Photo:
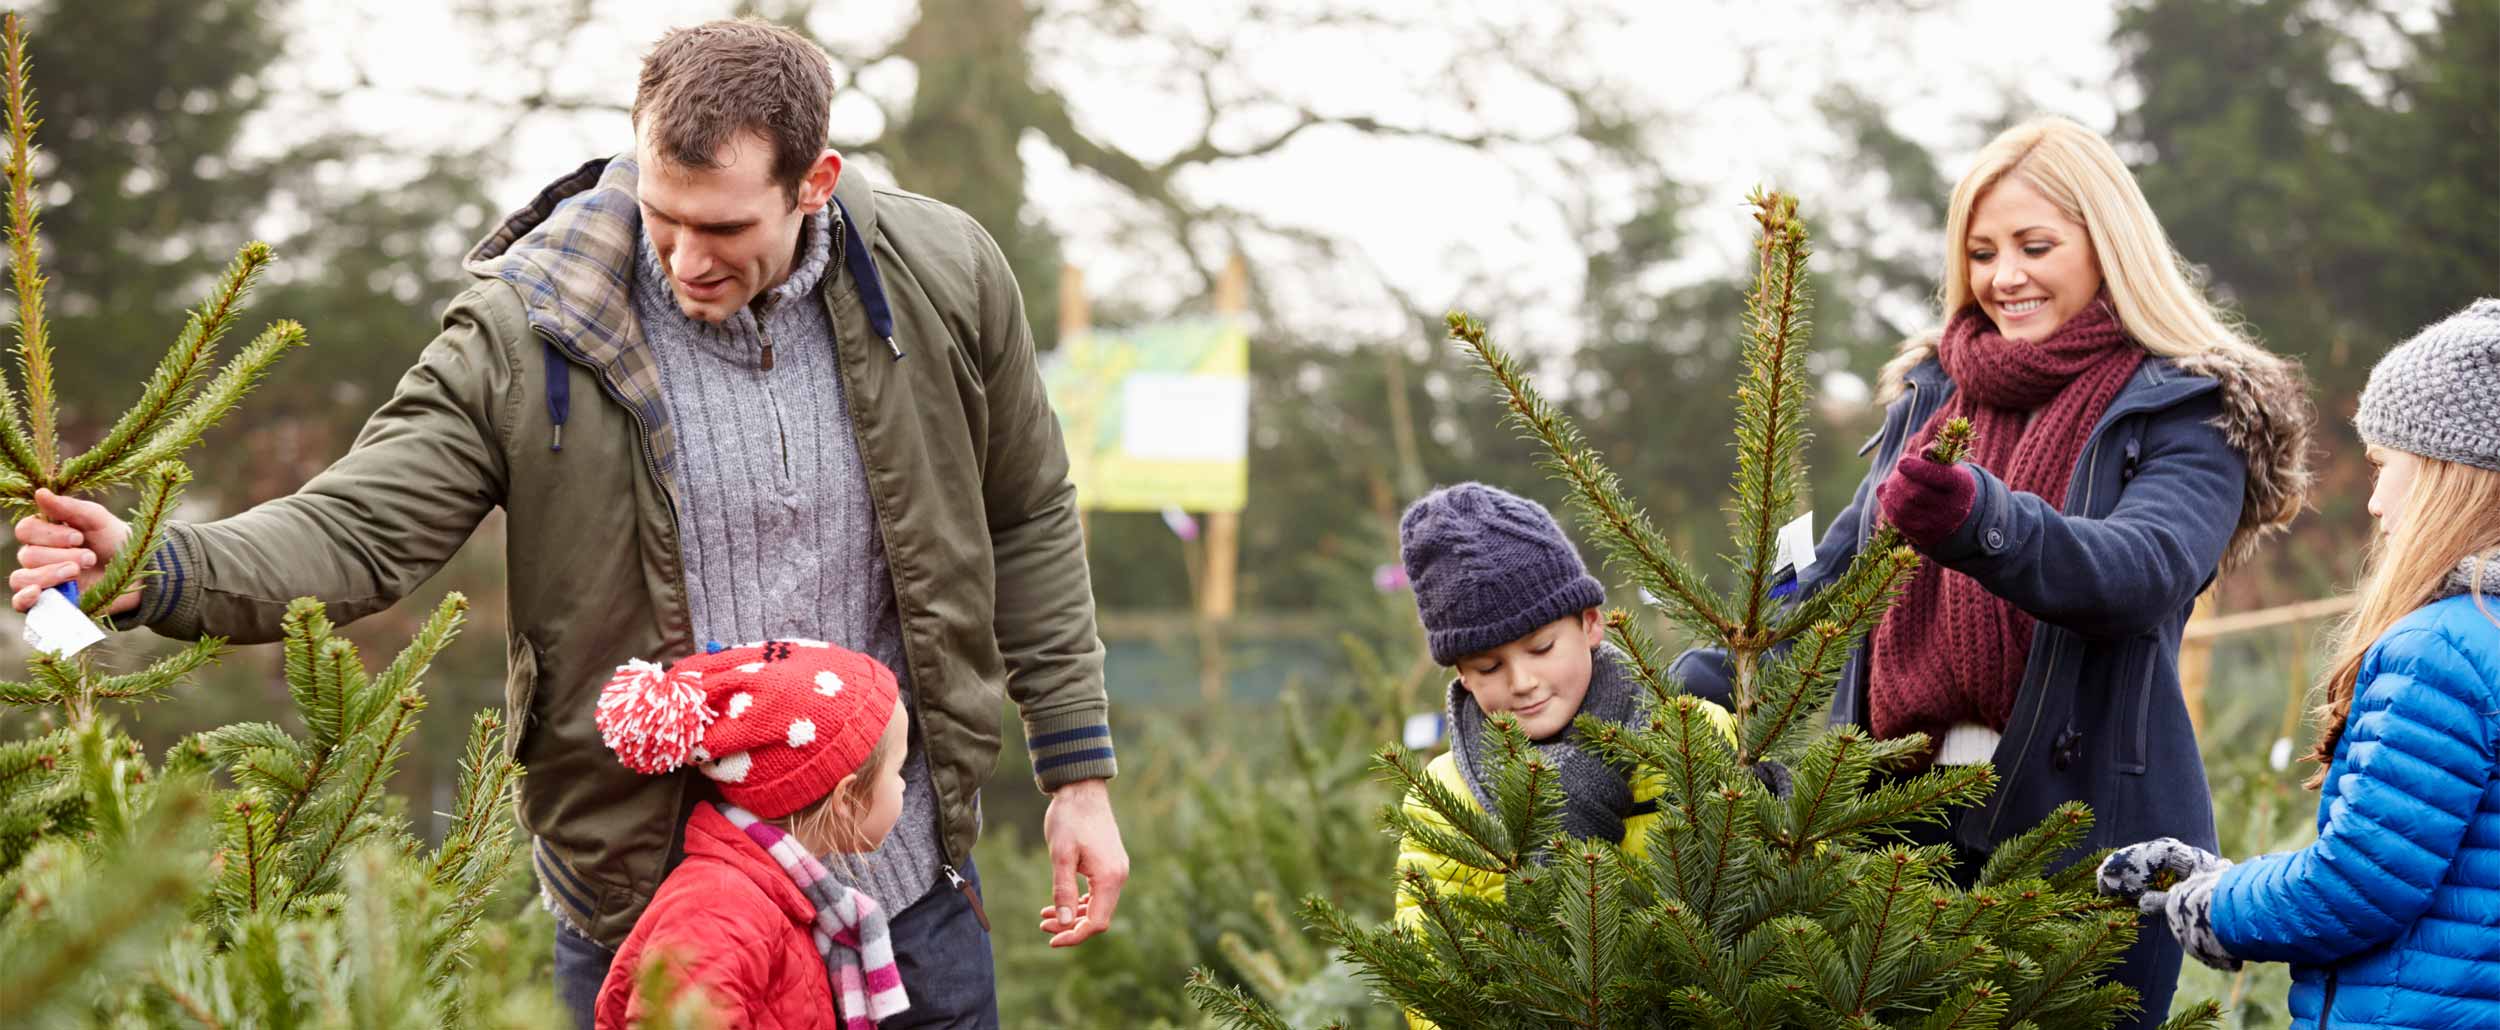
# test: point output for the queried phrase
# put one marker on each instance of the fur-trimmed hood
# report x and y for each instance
(2267, 416)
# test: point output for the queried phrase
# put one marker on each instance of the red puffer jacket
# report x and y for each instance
(739, 928)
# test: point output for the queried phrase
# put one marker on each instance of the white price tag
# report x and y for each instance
(1796, 545)
(55, 625)
(1422, 730)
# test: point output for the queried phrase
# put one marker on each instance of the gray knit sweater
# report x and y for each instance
(780, 535)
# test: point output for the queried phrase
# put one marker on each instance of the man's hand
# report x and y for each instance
(1083, 838)
(68, 539)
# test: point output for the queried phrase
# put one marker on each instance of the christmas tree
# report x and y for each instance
(255, 876)
(1750, 910)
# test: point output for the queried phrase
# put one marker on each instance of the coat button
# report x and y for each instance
(1996, 540)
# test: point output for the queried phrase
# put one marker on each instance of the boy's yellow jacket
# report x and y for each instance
(1450, 876)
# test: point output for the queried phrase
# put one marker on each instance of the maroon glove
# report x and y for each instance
(1926, 500)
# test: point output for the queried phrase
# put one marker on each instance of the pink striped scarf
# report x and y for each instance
(850, 929)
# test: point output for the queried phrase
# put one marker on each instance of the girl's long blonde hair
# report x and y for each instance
(2451, 511)
(2075, 169)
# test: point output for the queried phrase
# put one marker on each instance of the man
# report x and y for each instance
(723, 393)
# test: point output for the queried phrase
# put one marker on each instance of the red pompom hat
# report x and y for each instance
(776, 725)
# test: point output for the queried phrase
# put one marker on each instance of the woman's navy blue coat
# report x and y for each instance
(2193, 461)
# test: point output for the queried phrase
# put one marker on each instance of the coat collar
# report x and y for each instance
(710, 834)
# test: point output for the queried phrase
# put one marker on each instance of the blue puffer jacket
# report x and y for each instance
(2392, 919)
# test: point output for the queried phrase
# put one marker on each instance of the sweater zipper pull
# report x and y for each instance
(957, 880)
(763, 329)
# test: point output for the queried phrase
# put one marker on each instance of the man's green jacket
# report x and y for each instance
(540, 396)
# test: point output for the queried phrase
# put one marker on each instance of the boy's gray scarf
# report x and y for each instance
(1596, 797)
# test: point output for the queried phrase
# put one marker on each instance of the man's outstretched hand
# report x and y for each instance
(66, 539)
(1084, 839)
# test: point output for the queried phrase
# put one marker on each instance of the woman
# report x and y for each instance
(2131, 445)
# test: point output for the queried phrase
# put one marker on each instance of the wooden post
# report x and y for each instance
(1232, 303)
(2196, 663)
(1219, 588)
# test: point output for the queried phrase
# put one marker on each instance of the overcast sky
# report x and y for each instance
(1427, 216)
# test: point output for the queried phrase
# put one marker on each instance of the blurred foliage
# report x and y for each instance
(1230, 815)
(2332, 167)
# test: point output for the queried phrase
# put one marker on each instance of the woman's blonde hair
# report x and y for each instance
(2075, 170)
(2451, 511)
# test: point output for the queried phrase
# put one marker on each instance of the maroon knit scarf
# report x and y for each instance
(1951, 652)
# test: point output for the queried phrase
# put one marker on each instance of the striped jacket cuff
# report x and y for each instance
(1071, 746)
(161, 584)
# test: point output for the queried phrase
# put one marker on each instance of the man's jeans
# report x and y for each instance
(939, 946)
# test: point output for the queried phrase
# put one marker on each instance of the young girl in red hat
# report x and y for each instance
(805, 742)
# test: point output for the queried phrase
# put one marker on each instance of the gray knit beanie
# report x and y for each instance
(1489, 566)
(2438, 394)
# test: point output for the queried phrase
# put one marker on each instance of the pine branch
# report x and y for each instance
(1791, 692)
(478, 848)
(406, 670)
(2071, 969)
(147, 530)
(1770, 419)
(1234, 1007)
(1594, 923)
(1631, 540)
(1526, 791)
(1979, 1006)
(1858, 599)
(1643, 652)
(1440, 916)
(212, 403)
(1466, 835)
(348, 825)
(155, 680)
(34, 449)
(177, 377)
(1927, 797)
(89, 919)
(1897, 872)
(2201, 1015)
(2027, 857)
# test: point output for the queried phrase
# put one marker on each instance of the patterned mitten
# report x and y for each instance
(2189, 907)
(2130, 871)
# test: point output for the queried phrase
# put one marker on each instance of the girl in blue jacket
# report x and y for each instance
(2392, 918)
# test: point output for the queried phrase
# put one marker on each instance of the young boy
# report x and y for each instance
(1506, 602)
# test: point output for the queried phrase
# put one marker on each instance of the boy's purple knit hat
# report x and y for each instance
(1489, 566)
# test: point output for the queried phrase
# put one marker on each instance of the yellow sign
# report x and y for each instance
(1155, 417)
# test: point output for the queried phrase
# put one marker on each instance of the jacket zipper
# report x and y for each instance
(2326, 1005)
(964, 885)
(851, 400)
